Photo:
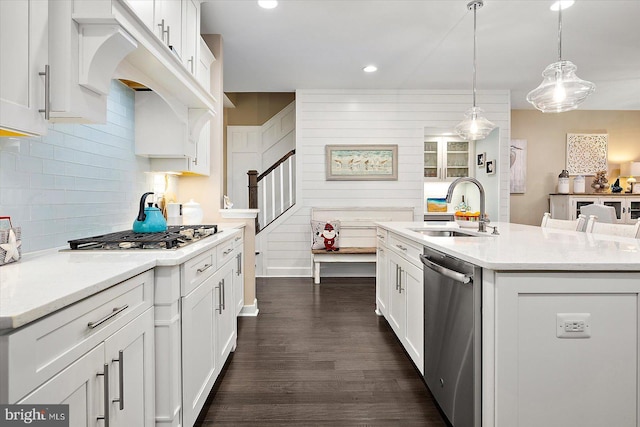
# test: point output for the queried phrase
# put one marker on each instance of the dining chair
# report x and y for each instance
(564, 224)
(604, 213)
(621, 230)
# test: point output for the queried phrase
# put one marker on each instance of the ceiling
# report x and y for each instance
(427, 44)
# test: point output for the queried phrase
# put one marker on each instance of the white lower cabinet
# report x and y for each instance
(405, 307)
(113, 381)
(195, 329)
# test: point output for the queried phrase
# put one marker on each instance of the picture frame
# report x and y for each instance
(480, 159)
(361, 162)
(490, 167)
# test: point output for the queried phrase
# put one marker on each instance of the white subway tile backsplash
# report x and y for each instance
(76, 181)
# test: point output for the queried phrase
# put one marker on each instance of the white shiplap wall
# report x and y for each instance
(371, 117)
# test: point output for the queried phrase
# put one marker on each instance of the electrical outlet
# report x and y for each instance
(573, 325)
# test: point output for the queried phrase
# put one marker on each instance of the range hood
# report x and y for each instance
(115, 44)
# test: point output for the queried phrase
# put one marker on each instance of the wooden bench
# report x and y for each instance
(357, 239)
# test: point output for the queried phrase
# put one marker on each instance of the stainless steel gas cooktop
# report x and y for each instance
(175, 237)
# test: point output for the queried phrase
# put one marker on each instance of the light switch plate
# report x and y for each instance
(573, 325)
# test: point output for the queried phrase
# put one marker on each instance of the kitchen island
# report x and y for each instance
(537, 284)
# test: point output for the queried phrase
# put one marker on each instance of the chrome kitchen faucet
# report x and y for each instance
(482, 227)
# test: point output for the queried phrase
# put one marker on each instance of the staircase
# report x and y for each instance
(273, 191)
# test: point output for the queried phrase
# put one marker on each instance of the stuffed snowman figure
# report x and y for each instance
(329, 236)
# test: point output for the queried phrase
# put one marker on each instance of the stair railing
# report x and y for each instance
(273, 191)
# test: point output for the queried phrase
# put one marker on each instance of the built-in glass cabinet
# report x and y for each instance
(446, 158)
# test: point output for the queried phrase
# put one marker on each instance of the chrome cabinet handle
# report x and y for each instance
(237, 238)
(239, 270)
(204, 268)
(190, 61)
(399, 279)
(105, 374)
(397, 276)
(168, 31)
(120, 361)
(47, 92)
(402, 248)
(227, 252)
(219, 309)
(115, 312)
(161, 25)
(224, 296)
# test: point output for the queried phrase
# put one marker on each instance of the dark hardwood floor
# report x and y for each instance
(317, 355)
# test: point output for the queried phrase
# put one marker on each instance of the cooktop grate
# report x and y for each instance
(175, 236)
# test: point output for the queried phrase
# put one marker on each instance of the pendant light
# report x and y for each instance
(474, 126)
(561, 90)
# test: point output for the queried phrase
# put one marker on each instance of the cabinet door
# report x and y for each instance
(78, 386)
(169, 24)
(191, 36)
(633, 211)
(24, 44)
(205, 59)
(413, 338)
(145, 10)
(200, 162)
(578, 203)
(619, 204)
(457, 159)
(198, 348)
(396, 307)
(382, 281)
(432, 160)
(238, 281)
(225, 309)
(130, 355)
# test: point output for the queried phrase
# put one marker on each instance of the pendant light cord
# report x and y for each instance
(475, 8)
(560, 32)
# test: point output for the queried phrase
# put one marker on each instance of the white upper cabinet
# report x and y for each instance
(190, 35)
(205, 59)
(169, 24)
(24, 44)
(446, 158)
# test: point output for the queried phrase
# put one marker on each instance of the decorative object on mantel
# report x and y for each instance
(227, 202)
(475, 125)
(586, 153)
(600, 182)
(578, 184)
(561, 89)
(615, 188)
(630, 170)
(563, 182)
(10, 242)
(518, 165)
(362, 162)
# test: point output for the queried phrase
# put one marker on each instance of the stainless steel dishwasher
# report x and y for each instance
(452, 331)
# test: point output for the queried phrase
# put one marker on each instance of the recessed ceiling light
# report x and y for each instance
(370, 69)
(562, 4)
(267, 4)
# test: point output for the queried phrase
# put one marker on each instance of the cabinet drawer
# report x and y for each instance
(405, 247)
(197, 269)
(382, 235)
(35, 353)
(226, 251)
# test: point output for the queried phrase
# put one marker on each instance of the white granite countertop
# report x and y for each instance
(524, 247)
(46, 281)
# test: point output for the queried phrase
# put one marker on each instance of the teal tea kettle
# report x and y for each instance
(150, 219)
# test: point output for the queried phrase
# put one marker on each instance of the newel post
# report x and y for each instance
(253, 193)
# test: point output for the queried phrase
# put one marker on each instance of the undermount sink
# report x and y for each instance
(439, 232)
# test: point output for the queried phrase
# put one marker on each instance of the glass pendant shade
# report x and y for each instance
(561, 90)
(475, 125)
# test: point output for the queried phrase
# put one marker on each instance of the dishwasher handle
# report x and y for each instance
(458, 277)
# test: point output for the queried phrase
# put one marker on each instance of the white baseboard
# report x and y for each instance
(250, 310)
